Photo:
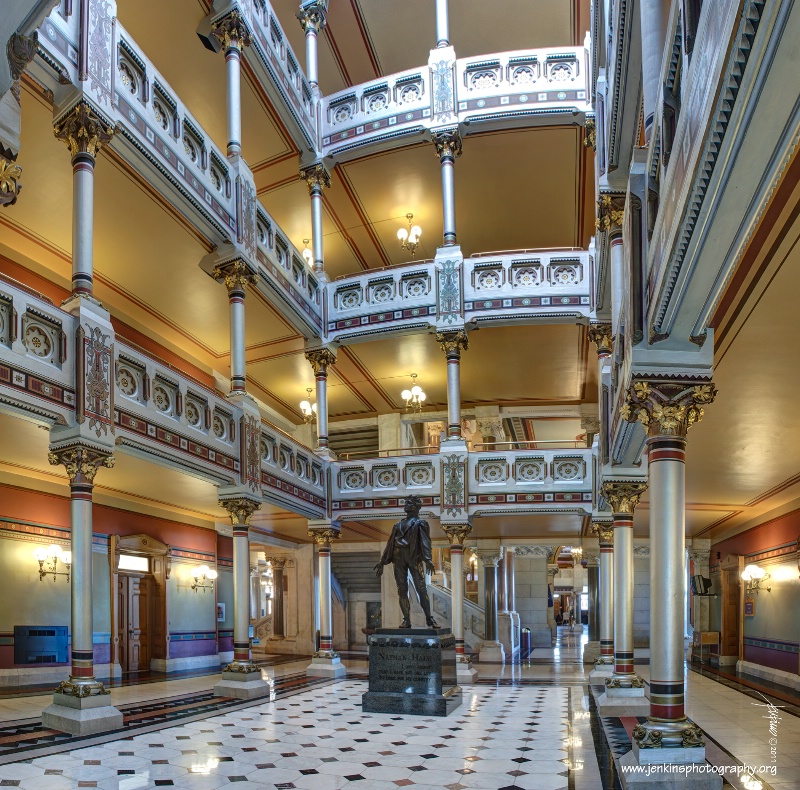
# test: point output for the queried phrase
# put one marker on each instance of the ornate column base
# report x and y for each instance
(242, 681)
(660, 741)
(492, 652)
(465, 672)
(623, 696)
(81, 708)
(326, 664)
(603, 669)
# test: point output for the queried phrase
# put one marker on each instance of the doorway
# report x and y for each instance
(134, 605)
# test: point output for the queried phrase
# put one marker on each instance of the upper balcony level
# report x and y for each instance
(492, 289)
(524, 87)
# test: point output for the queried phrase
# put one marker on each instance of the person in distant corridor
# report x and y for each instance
(409, 549)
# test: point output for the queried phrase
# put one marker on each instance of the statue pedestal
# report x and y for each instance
(412, 671)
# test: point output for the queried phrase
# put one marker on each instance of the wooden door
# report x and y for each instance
(122, 622)
(134, 599)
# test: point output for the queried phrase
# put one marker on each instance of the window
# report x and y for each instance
(130, 562)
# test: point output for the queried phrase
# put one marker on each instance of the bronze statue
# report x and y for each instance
(409, 549)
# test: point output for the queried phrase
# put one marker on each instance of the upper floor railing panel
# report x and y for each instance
(37, 350)
(501, 288)
(500, 88)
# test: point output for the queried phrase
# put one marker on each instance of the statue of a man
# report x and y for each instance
(409, 549)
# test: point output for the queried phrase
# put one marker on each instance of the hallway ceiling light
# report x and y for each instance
(204, 578)
(414, 397)
(752, 576)
(409, 237)
(308, 409)
(307, 254)
(48, 558)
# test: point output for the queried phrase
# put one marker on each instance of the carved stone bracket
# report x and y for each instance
(600, 335)
(231, 31)
(623, 496)
(21, 50)
(610, 212)
(667, 408)
(81, 462)
(240, 509)
(236, 275)
(320, 359)
(83, 130)
(453, 343)
(316, 176)
(448, 143)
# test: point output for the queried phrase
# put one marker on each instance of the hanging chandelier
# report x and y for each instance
(414, 397)
(308, 256)
(409, 237)
(307, 408)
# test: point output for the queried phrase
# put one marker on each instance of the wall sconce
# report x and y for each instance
(48, 559)
(204, 578)
(752, 576)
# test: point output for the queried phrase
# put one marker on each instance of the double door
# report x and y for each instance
(135, 608)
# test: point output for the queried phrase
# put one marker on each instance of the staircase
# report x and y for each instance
(442, 606)
(354, 571)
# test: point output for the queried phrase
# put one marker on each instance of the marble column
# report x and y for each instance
(667, 409)
(552, 571)
(326, 661)
(511, 580)
(457, 534)
(277, 564)
(491, 649)
(233, 35)
(591, 650)
(317, 178)
(236, 275)
(453, 343)
(442, 24)
(312, 20)
(604, 665)
(241, 678)
(321, 359)
(448, 148)
(654, 16)
(81, 704)
(84, 131)
(508, 622)
(624, 694)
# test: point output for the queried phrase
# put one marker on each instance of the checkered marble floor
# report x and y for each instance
(500, 738)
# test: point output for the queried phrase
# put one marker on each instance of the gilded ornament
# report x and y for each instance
(231, 31)
(10, 173)
(457, 533)
(605, 532)
(453, 342)
(692, 737)
(240, 510)
(312, 17)
(623, 497)
(236, 275)
(666, 408)
(245, 669)
(83, 130)
(590, 134)
(72, 689)
(316, 176)
(323, 537)
(610, 211)
(447, 142)
(320, 359)
(81, 463)
(600, 335)
(646, 738)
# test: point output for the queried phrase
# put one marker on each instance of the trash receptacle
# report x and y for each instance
(525, 643)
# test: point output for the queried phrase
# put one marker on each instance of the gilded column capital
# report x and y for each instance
(312, 16)
(453, 342)
(600, 335)
(320, 359)
(231, 31)
(10, 173)
(489, 557)
(590, 134)
(604, 531)
(276, 561)
(240, 510)
(667, 408)
(83, 130)
(316, 176)
(457, 533)
(323, 536)
(623, 496)
(448, 143)
(236, 275)
(81, 463)
(610, 211)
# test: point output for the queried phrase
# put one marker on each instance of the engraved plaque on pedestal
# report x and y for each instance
(412, 670)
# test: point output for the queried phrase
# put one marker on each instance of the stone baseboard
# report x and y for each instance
(789, 679)
(43, 676)
(186, 662)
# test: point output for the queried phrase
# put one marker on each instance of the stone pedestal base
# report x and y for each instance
(81, 715)
(591, 652)
(326, 667)
(412, 671)
(623, 702)
(465, 672)
(242, 685)
(492, 652)
(665, 779)
(600, 673)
